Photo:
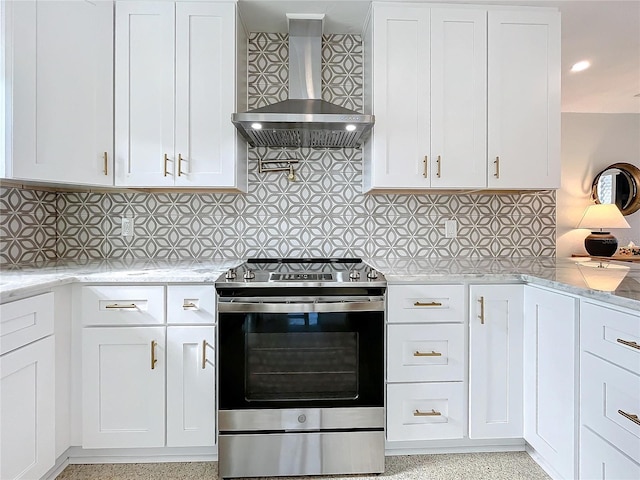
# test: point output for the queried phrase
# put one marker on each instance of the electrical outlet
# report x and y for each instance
(127, 227)
(450, 228)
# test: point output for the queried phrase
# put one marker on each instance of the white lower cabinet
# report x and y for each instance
(426, 356)
(191, 386)
(123, 370)
(27, 387)
(27, 410)
(148, 379)
(495, 361)
(550, 381)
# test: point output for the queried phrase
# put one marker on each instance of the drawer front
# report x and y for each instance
(611, 334)
(425, 411)
(419, 353)
(25, 321)
(610, 397)
(600, 461)
(425, 303)
(122, 305)
(187, 304)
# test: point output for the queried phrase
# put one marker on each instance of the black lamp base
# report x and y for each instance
(601, 244)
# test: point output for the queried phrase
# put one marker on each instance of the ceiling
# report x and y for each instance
(605, 32)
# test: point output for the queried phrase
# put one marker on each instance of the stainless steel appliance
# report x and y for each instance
(301, 368)
(304, 119)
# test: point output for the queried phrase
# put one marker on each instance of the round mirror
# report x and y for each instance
(618, 183)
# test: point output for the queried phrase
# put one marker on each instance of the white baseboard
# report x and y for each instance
(61, 463)
(549, 470)
(462, 445)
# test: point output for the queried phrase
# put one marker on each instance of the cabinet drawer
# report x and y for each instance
(600, 461)
(608, 394)
(191, 304)
(25, 321)
(122, 305)
(611, 334)
(428, 411)
(419, 353)
(425, 303)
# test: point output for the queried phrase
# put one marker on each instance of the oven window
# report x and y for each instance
(307, 365)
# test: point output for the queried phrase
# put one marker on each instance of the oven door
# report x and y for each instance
(292, 353)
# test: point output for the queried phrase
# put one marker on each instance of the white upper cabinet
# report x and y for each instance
(175, 93)
(524, 100)
(59, 91)
(429, 98)
(455, 88)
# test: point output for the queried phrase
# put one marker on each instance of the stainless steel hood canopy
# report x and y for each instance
(304, 120)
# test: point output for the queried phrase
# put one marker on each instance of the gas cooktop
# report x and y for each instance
(300, 272)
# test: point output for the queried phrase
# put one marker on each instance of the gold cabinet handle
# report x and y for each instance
(439, 162)
(427, 304)
(426, 166)
(433, 353)
(497, 163)
(630, 416)
(628, 343)
(481, 316)
(165, 164)
(106, 164)
(432, 413)
(189, 306)
(130, 306)
(179, 164)
(154, 360)
(204, 354)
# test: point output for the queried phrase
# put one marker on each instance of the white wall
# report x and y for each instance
(590, 143)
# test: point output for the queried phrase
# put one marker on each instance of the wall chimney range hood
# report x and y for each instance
(304, 120)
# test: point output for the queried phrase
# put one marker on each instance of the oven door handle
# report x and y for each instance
(264, 305)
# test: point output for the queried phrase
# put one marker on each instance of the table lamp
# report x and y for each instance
(600, 216)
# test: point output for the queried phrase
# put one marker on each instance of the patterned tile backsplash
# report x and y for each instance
(321, 213)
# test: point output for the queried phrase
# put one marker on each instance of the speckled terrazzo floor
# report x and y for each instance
(468, 466)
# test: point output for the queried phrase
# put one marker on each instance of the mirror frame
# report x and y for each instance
(633, 173)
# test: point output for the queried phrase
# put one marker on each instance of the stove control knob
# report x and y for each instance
(302, 418)
(354, 275)
(372, 274)
(231, 274)
(249, 275)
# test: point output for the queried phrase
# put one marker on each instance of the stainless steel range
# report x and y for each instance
(301, 368)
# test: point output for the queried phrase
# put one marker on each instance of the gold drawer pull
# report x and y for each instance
(106, 163)
(497, 164)
(427, 304)
(633, 418)
(129, 306)
(481, 316)
(427, 354)
(426, 166)
(190, 306)
(628, 343)
(204, 354)
(439, 163)
(432, 413)
(154, 360)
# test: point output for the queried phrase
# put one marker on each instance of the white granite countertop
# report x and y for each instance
(586, 278)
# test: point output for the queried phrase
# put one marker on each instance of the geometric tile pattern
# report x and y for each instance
(27, 226)
(322, 213)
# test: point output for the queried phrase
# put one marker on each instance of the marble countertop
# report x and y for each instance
(614, 282)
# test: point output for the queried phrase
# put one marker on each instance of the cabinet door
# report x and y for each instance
(524, 100)
(144, 93)
(400, 98)
(550, 378)
(62, 91)
(458, 98)
(191, 365)
(495, 361)
(27, 411)
(122, 387)
(205, 94)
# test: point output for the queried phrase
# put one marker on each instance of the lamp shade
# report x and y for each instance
(603, 215)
